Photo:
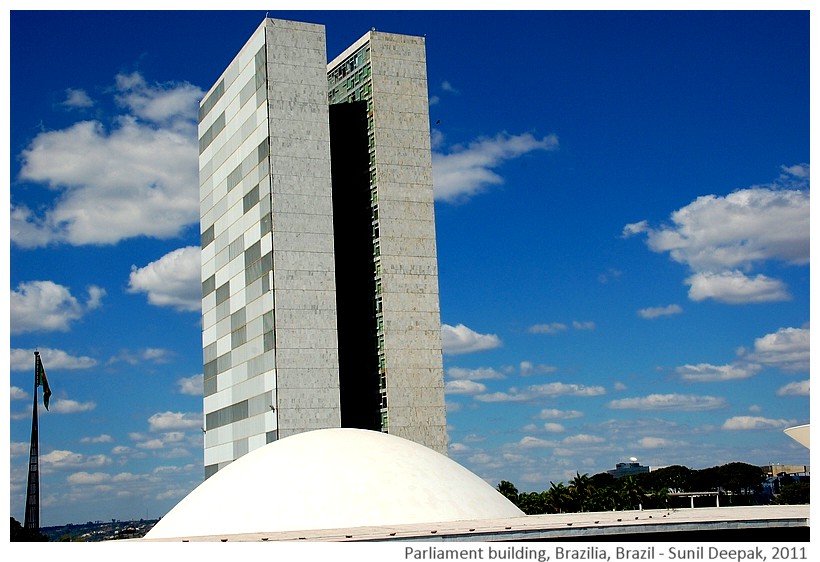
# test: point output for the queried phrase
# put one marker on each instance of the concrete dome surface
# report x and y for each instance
(333, 478)
(800, 433)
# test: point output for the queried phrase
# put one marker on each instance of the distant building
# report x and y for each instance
(628, 469)
(320, 303)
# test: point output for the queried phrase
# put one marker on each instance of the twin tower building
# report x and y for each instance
(320, 303)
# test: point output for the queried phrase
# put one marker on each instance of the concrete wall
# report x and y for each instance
(412, 323)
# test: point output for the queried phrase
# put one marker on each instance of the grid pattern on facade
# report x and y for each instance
(270, 331)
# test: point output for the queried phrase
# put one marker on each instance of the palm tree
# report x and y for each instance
(508, 490)
(582, 490)
(557, 498)
(631, 492)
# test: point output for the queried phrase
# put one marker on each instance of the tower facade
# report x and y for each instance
(319, 281)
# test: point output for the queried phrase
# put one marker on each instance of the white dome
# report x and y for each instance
(333, 478)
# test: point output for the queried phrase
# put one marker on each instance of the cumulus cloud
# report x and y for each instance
(103, 438)
(582, 439)
(679, 402)
(552, 427)
(798, 388)
(553, 414)
(535, 391)
(483, 373)
(66, 406)
(467, 171)
(722, 238)
(558, 327)
(190, 385)
(704, 372)
(659, 443)
(165, 421)
(447, 87)
(77, 99)
(658, 311)
(787, 349)
(529, 442)
(23, 359)
(755, 422)
(171, 104)
(551, 328)
(69, 460)
(137, 177)
(527, 368)
(456, 340)
(88, 478)
(458, 448)
(173, 280)
(735, 287)
(463, 387)
(17, 393)
(150, 354)
(47, 306)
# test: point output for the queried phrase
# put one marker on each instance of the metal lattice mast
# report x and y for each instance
(32, 519)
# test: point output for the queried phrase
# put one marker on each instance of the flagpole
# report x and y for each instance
(32, 519)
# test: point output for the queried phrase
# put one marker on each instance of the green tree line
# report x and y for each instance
(737, 483)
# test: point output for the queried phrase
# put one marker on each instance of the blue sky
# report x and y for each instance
(622, 212)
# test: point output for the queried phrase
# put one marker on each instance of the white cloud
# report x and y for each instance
(447, 87)
(191, 385)
(66, 460)
(502, 397)
(563, 389)
(582, 439)
(679, 402)
(483, 373)
(529, 442)
(659, 443)
(527, 368)
(65, 406)
(174, 420)
(138, 177)
(23, 360)
(552, 427)
(151, 444)
(452, 407)
(798, 388)
(555, 414)
(458, 448)
(551, 328)
(704, 372)
(786, 349)
(721, 238)
(755, 422)
(103, 438)
(77, 99)
(460, 339)
(464, 172)
(557, 327)
(173, 280)
(716, 233)
(17, 393)
(150, 354)
(463, 387)
(172, 103)
(540, 391)
(658, 311)
(88, 478)
(735, 287)
(47, 306)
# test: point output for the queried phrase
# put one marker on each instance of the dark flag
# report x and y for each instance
(42, 381)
